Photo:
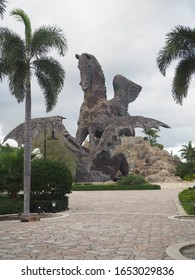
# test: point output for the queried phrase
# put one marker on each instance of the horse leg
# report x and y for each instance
(92, 140)
(81, 134)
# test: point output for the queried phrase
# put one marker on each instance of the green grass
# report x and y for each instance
(113, 187)
(187, 200)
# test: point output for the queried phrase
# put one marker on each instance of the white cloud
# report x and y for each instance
(125, 36)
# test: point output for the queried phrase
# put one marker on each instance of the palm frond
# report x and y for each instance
(13, 62)
(12, 47)
(21, 16)
(2, 7)
(46, 38)
(181, 82)
(17, 78)
(179, 44)
(3, 69)
(50, 75)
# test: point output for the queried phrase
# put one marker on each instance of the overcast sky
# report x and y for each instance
(125, 36)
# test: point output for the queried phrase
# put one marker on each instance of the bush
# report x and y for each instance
(190, 177)
(185, 169)
(50, 180)
(46, 205)
(187, 199)
(131, 179)
(11, 169)
(15, 206)
(10, 206)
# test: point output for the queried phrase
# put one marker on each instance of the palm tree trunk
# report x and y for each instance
(27, 150)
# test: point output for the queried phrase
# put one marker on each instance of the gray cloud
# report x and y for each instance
(125, 36)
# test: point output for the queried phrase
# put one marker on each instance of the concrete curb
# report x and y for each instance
(174, 251)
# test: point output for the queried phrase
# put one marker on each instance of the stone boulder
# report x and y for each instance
(154, 164)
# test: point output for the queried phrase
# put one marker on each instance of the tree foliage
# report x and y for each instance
(179, 45)
(50, 179)
(152, 135)
(2, 7)
(188, 152)
(20, 58)
(186, 170)
(11, 169)
(57, 150)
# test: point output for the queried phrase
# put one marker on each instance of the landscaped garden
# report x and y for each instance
(129, 182)
(50, 182)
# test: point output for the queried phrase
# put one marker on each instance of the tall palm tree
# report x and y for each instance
(179, 44)
(2, 7)
(19, 59)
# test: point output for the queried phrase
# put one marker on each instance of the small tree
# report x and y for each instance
(186, 170)
(152, 136)
(57, 150)
(188, 152)
(11, 169)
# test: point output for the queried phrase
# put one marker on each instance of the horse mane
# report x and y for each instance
(98, 75)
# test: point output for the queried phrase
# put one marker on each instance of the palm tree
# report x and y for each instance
(152, 135)
(188, 152)
(179, 44)
(2, 7)
(19, 59)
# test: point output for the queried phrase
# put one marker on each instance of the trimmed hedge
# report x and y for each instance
(10, 206)
(114, 187)
(46, 205)
(187, 200)
(15, 206)
(50, 180)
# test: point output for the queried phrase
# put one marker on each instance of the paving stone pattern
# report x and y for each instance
(102, 225)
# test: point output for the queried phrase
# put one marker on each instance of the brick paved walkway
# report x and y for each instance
(102, 225)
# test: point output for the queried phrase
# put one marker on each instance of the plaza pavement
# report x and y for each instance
(111, 225)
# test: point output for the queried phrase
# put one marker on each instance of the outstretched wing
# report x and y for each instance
(125, 90)
(125, 126)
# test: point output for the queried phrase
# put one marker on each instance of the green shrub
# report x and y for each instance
(50, 180)
(131, 179)
(11, 169)
(15, 206)
(190, 177)
(10, 206)
(46, 205)
(187, 199)
(185, 169)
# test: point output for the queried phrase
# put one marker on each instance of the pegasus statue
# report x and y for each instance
(106, 120)
(103, 120)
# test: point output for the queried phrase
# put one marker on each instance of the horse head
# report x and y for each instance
(90, 71)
